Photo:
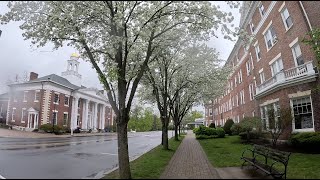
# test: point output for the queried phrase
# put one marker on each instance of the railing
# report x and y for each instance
(287, 75)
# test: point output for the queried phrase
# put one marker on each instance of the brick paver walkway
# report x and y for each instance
(189, 162)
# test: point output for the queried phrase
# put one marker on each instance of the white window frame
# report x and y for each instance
(257, 49)
(267, 34)
(67, 118)
(13, 114)
(248, 67)
(262, 12)
(240, 76)
(251, 92)
(65, 100)
(25, 96)
(237, 98)
(35, 95)
(295, 55)
(252, 27)
(55, 121)
(293, 119)
(284, 20)
(210, 112)
(54, 97)
(262, 77)
(23, 110)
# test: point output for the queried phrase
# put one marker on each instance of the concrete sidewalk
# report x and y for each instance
(25, 134)
(189, 162)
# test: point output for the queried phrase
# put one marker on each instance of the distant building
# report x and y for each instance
(198, 122)
(61, 100)
(275, 70)
(4, 98)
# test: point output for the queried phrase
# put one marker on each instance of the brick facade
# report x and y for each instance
(281, 49)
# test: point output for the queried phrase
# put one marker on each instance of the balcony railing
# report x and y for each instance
(288, 75)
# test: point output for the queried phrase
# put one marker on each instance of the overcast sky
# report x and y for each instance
(17, 56)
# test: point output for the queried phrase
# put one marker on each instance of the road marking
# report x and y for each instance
(1, 177)
(110, 154)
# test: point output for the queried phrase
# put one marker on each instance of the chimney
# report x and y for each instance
(33, 76)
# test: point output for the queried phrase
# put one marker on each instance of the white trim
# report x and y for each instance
(275, 58)
(22, 114)
(281, 7)
(306, 15)
(260, 70)
(266, 29)
(35, 95)
(293, 119)
(255, 44)
(269, 102)
(54, 110)
(294, 42)
(67, 113)
(24, 96)
(300, 94)
(272, 4)
(13, 108)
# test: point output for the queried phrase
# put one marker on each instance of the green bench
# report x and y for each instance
(265, 159)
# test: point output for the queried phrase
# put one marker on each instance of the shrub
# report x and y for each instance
(248, 124)
(220, 132)
(48, 128)
(195, 130)
(35, 130)
(212, 125)
(235, 129)
(252, 135)
(227, 126)
(202, 136)
(305, 140)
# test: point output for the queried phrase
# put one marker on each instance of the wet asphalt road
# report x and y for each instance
(68, 158)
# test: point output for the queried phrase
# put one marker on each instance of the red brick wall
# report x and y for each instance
(61, 108)
(312, 10)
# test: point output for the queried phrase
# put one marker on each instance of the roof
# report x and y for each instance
(57, 79)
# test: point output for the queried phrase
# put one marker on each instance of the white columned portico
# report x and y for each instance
(95, 116)
(103, 119)
(85, 114)
(74, 113)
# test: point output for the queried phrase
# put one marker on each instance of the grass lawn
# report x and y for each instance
(226, 152)
(152, 164)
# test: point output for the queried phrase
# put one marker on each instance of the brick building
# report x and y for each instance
(275, 70)
(3, 107)
(61, 100)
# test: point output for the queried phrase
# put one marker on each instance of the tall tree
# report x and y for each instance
(119, 39)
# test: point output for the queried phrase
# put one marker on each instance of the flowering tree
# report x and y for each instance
(179, 78)
(118, 38)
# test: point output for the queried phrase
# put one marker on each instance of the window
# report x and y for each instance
(56, 98)
(253, 113)
(276, 67)
(257, 49)
(231, 85)
(252, 27)
(237, 98)
(297, 55)
(270, 37)
(302, 111)
(79, 103)
(269, 115)
(13, 116)
(240, 76)
(210, 112)
(235, 81)
(248, 65)
(54, 117)
(251, 91)
(65, 119)
(37, 96)
(15, 98)
(261, 9)
(25, 93)
(66, 100)
(262, 79)
(242, 97)
(287, 20)
(23, 115)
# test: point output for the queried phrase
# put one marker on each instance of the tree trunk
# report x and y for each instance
(176, 133)
(165, 142)
(123, 153)
(179, 130)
